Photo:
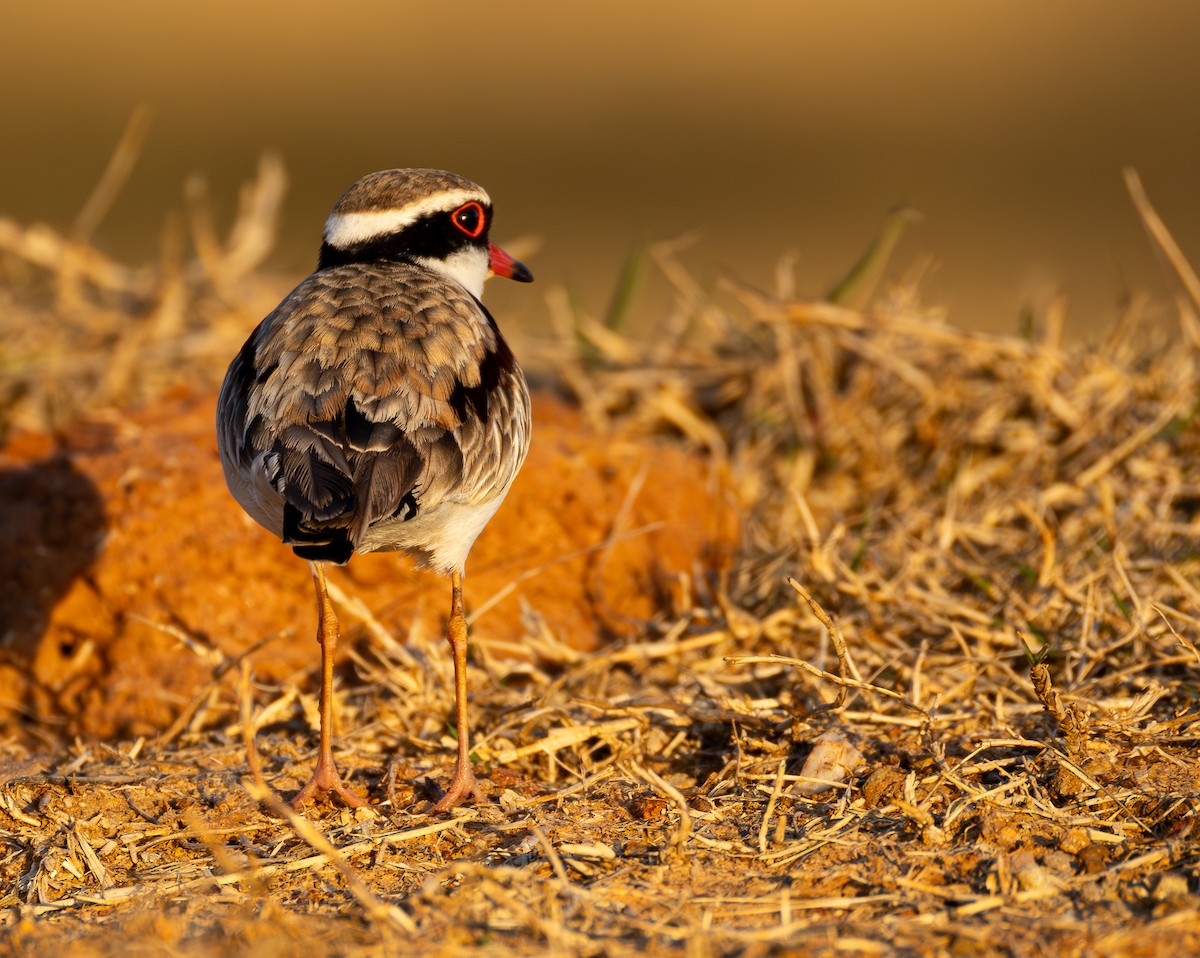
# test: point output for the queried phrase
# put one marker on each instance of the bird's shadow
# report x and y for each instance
(52, 525)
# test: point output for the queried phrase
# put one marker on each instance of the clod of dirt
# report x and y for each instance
(137, 575)
(832, 760)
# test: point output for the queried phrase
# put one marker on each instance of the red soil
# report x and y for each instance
(130, 572)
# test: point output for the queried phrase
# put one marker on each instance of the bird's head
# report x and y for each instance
(432, 218)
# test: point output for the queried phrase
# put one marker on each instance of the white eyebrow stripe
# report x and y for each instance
(347, 229)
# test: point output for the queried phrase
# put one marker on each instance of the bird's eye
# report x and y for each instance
(470, 218)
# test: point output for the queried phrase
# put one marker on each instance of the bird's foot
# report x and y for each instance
(463, 784)
(326, 779)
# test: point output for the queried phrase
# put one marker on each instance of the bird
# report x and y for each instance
(379, 408)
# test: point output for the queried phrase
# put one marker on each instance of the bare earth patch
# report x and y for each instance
(139, 575)
(979, 736)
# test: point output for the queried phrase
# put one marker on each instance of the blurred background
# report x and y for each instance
(765, 128)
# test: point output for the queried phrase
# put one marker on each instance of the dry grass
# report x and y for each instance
(81, 331)
(996, 533)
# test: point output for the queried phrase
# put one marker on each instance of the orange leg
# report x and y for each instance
(325, 777)
(463, 783)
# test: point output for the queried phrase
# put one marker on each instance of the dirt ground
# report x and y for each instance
(806, 630)
(135, 571)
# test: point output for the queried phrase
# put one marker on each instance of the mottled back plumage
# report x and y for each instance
(378, 406)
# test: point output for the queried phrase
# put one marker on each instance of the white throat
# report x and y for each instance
(468, 267)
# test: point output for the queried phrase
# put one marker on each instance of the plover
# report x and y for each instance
(378, 408)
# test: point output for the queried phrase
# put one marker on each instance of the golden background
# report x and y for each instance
(767, 127)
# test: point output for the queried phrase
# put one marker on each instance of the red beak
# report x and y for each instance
(504, 265)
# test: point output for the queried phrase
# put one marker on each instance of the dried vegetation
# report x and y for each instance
(942, 701)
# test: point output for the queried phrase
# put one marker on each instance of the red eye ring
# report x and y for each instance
(470, 218)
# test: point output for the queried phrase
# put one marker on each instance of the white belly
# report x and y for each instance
(439, 538)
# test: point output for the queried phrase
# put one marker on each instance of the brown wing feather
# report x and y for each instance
(378, 395)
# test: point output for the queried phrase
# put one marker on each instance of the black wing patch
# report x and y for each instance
(237, 384)
(496, 364)
(340, 476)
(321, 545)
